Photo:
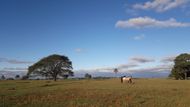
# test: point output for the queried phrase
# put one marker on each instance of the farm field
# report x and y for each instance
(95, 93)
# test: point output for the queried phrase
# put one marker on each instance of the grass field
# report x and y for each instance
(95, 93)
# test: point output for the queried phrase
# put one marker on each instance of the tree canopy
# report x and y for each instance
(3, 77)
(115, 71)
(52, 66)
(17, 76)
(181, 69)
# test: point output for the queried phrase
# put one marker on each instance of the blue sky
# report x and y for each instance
(97, 35)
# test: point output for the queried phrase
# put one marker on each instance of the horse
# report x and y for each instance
(126, 79)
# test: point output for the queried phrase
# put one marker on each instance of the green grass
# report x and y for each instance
(95, 93)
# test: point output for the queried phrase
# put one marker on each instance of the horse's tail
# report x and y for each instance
(121, 79)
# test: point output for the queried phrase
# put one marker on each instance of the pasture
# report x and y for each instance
(95, 93)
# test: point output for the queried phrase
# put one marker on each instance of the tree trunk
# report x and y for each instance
(55, 78)
(186, 76)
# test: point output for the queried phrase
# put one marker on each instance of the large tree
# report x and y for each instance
(181, 69)
(52, 66)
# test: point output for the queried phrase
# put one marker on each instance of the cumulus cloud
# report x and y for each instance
(147, 22)
(14, 61)
(14, 69)
(158, 68)
(161, 5)
(141, 59)
(133, 63)
(18, 62)
(168, 59)
(103, 69)
(110, 69)
(127, 66)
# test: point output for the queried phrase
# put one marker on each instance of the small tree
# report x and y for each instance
(25, 77)
(3, 77)
(88, 76)
(115, 71)
(52, 66)
(17, 77)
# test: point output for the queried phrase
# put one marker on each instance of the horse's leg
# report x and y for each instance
(131, 81)
(121, 80)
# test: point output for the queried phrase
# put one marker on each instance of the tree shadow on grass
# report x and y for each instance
(49, 85)
(23, 82)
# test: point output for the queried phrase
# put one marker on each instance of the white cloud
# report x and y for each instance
(14, 69)
(78, 50)
(137, 67)
(140, 37)
(18, 62)
(168, 59)
(147, 22)
(133, 62)
(14, 61)
(11, 72)
(127, 66)
(156, 69)
(141, 59)
(161, 5)
(110, 69)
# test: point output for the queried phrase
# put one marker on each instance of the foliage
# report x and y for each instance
(88, 76)
(17, 76)
(115, 71)
(10, 78)
(181, 68)
(53, 66)
(3, 77)
(24, 77)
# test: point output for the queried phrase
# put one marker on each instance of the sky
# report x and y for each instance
(139, 37)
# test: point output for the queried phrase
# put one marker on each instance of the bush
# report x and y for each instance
(88, 76)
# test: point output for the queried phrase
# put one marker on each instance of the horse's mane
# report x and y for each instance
(126, 76)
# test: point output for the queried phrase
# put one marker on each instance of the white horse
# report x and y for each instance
(126, 79)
